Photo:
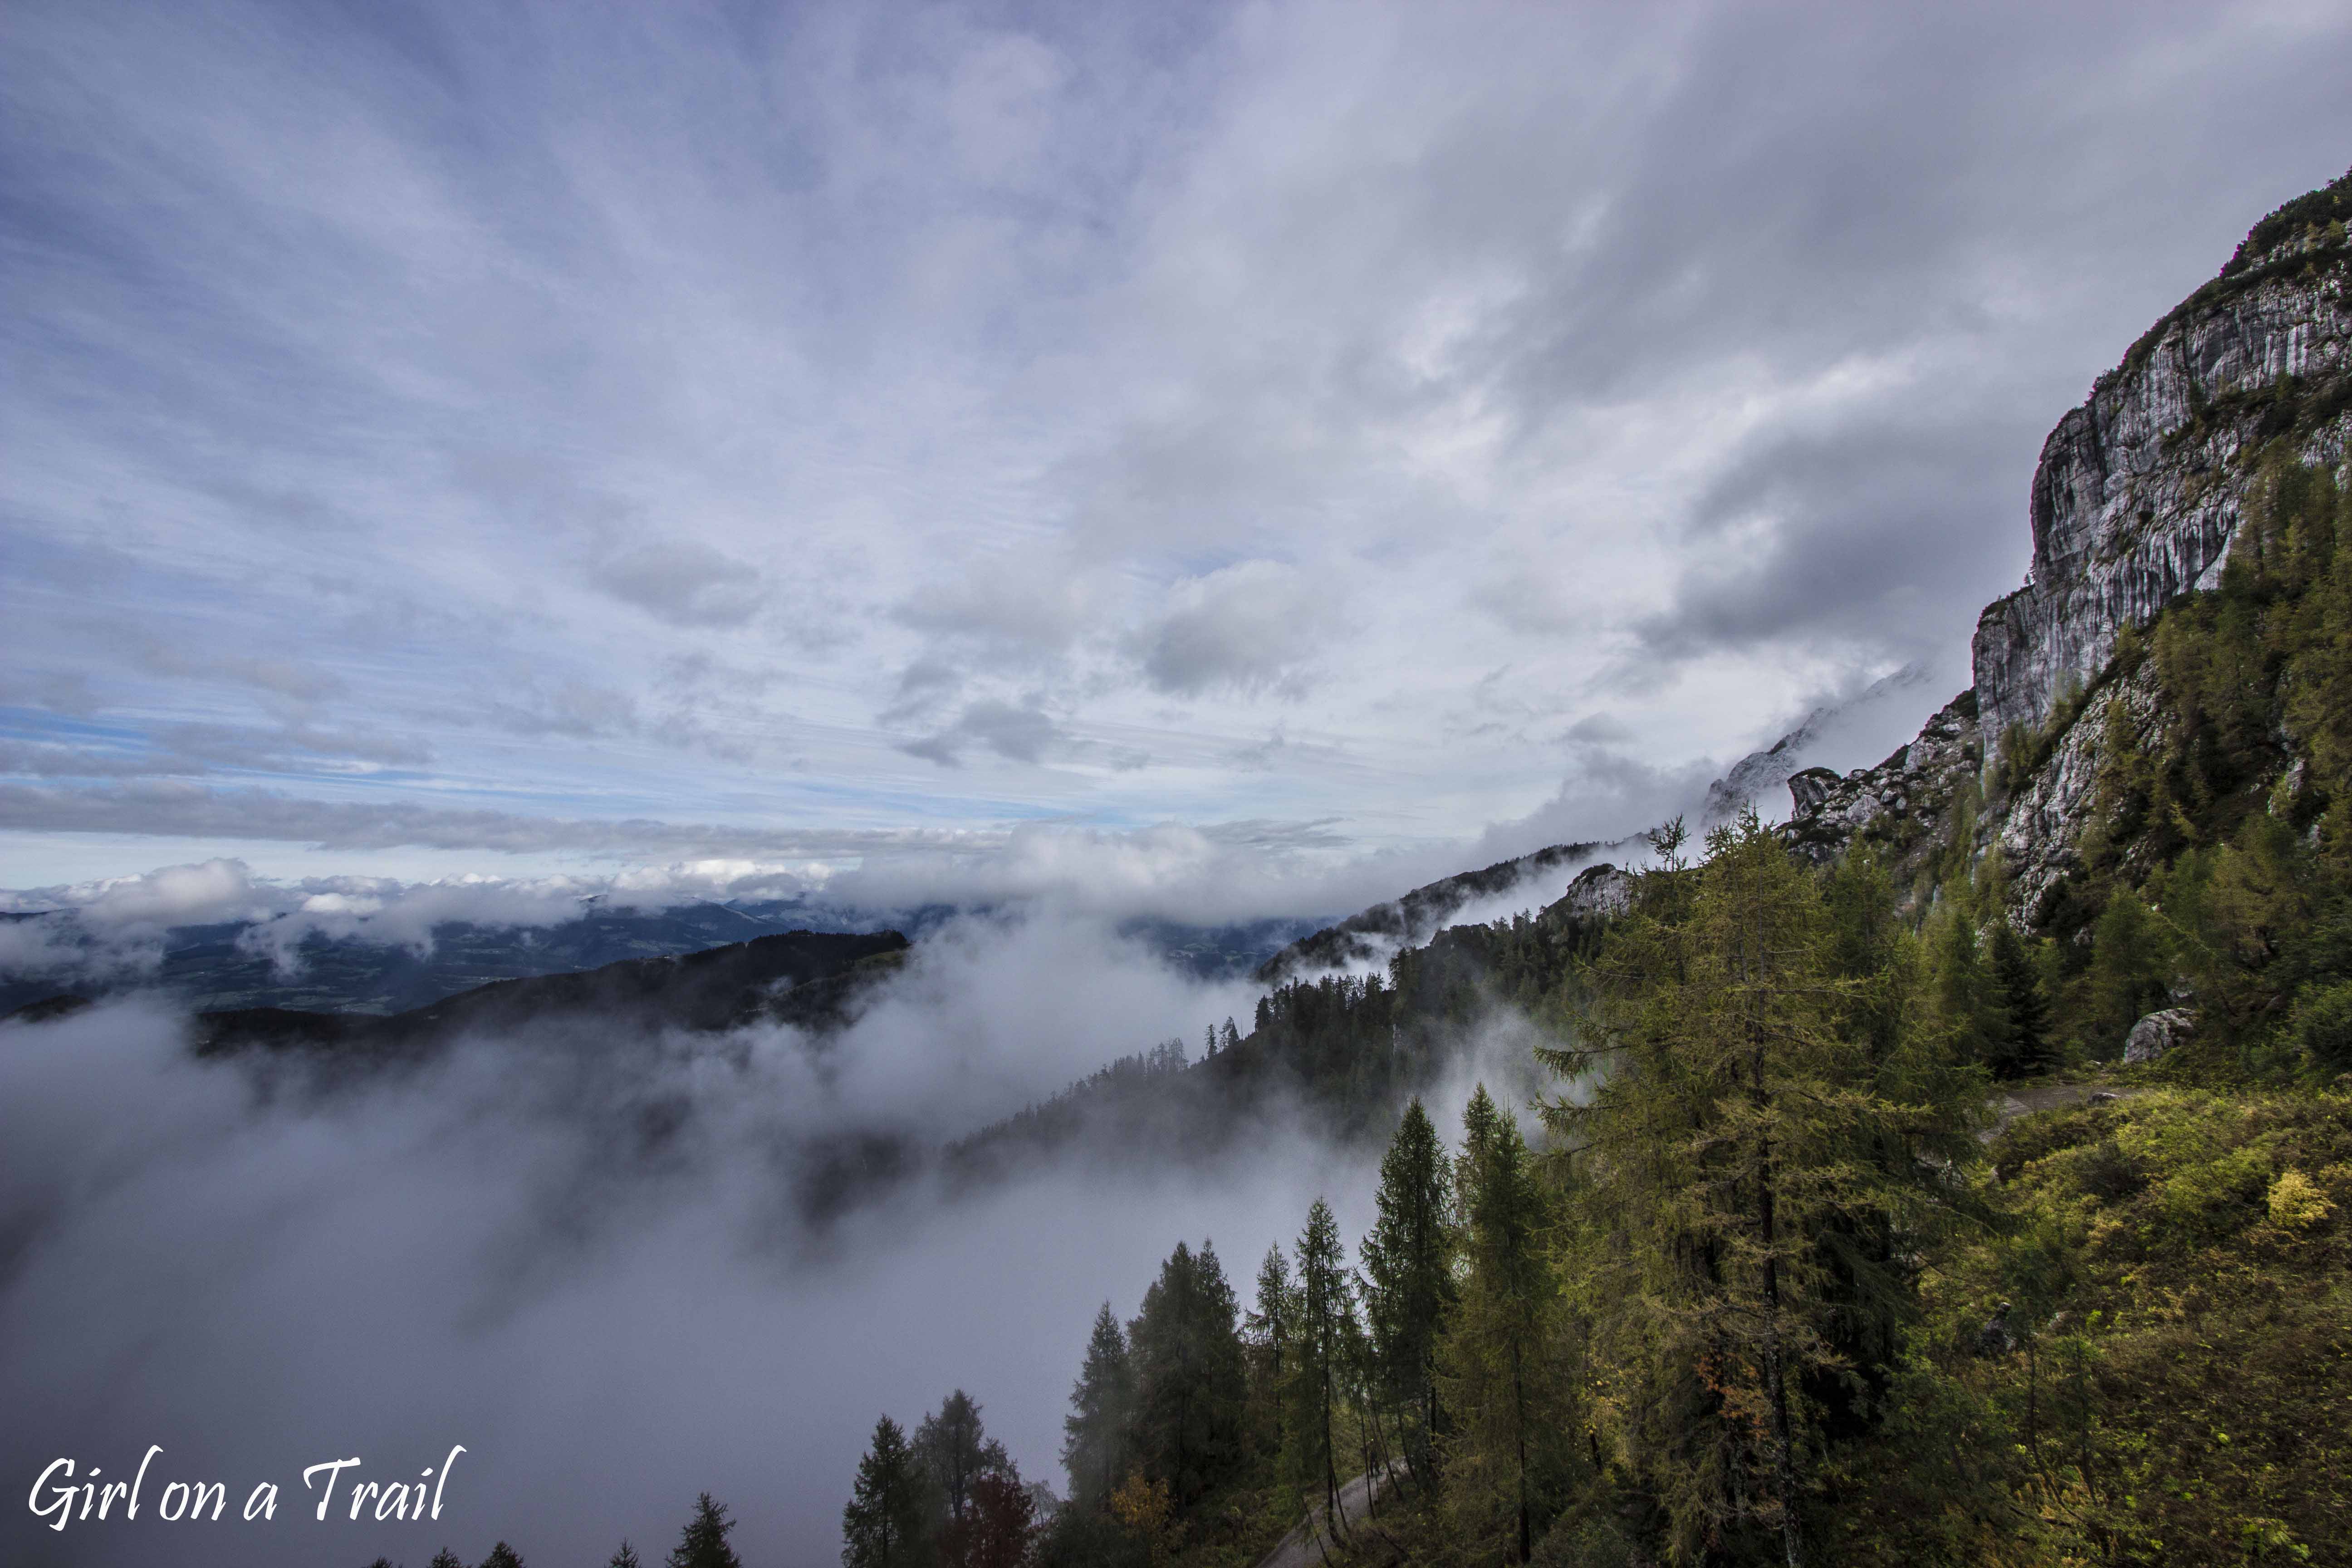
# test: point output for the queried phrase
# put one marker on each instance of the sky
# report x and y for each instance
(1114, 446)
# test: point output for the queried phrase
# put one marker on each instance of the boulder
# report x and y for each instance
(2158, 1033)
(1809, 788)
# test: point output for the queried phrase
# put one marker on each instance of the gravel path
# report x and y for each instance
(1304, 1547)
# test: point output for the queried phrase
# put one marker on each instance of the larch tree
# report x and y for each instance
(998, 1529)
(1269, 1330)
(1742, 1121)
(1505, 1357)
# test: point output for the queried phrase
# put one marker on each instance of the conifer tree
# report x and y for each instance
(2025, 1014)
(2130, 959)
(1271, 1328)
(955, 1451)
(703, 1543)
(626, 1557)
(1409, 1283)
(1736, 1143)
(998, 1529)
(887, 1522)
(445, 1558)
(1326, 1308)
(1504, 1356)
(1096, 1434)
(1967, 991)
(502, 1557)
(1186, 1350)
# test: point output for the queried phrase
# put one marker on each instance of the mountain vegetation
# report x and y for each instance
(1959, 1175)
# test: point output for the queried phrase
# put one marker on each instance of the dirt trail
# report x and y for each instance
(1304, 1547)
(2025, 1098)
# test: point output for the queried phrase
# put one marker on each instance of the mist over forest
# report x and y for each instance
(598, 1263)
(1281, 784)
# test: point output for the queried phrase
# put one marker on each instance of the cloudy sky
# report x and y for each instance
(509, 438)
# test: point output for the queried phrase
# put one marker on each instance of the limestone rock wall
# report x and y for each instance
(2139, 493)
(2136, 499)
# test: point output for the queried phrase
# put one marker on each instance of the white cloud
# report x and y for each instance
(1086, 402)
(1252, 626)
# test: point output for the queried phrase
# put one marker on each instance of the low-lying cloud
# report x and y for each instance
(589, 1260)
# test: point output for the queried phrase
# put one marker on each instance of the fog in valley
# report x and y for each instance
(603, 1265)
(619, 1269)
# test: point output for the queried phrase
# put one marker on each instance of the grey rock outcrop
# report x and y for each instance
(1597, 891)
(1914, 788)
(1811, 789)
(2157, 1034)
(2136, 499)
(2037, 825)
(2137, 496)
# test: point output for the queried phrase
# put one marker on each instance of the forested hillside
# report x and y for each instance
(1958, 1175)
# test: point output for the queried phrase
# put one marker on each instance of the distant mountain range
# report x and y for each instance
(231, 966)
(800, 977)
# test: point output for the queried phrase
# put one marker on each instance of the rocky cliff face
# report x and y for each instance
(2136, 499)
(2138, 491)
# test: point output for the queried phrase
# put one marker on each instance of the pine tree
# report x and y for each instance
(703, 1544)
(887, 1522)
(1096, 1434)
(502, 1557)
(1410, 1284)
(2025, 1014)
(1186, 1350)
(1326, 1309)
(445, 1558)
(626, 1557)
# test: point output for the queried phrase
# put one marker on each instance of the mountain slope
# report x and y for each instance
(800, 977)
